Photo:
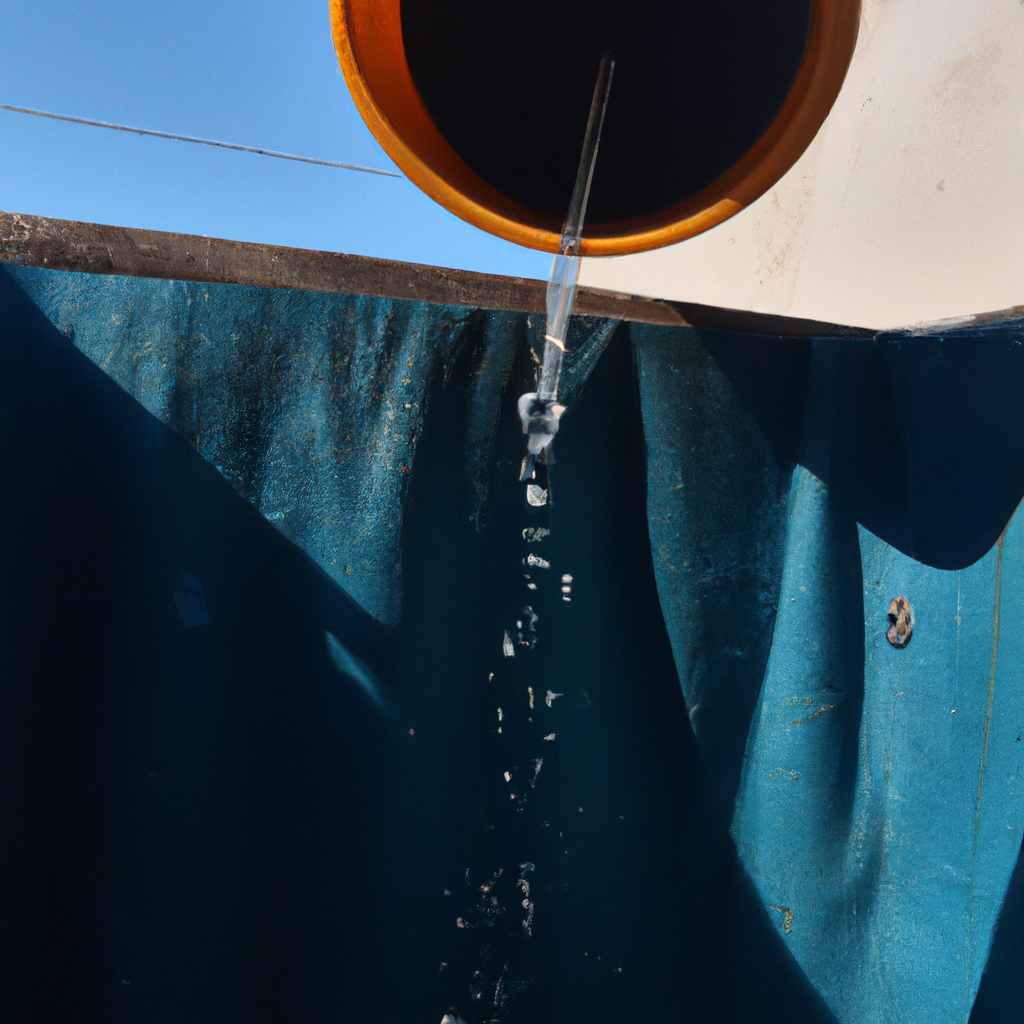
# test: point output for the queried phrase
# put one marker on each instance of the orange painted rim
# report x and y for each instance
(368, 39)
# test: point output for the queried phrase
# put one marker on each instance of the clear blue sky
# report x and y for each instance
(255, 72)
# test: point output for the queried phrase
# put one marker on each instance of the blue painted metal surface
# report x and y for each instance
(881, 809)
(873, 793)
(309, 403)
(716, 501)
(878, 793)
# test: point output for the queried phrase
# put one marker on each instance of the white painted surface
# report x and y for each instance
(909, 204)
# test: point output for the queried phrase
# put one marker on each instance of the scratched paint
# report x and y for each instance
(877, 805)
(894, 848)
(877, 789)
(311, 404)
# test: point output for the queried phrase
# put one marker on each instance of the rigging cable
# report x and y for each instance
(201, 142)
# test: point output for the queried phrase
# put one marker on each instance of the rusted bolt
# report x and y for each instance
(901, 622)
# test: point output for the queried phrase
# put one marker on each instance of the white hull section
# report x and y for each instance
(909, 204)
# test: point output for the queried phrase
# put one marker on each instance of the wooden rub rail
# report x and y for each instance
(135, 252)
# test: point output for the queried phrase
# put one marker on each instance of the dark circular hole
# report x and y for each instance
(508, 83)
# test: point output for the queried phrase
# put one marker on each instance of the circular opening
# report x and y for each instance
(483, 103)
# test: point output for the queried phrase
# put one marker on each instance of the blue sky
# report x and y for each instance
(259, 73)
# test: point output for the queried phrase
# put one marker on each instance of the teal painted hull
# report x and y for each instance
(793, 489)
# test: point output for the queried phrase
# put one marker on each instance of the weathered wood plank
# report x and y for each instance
(136, 252)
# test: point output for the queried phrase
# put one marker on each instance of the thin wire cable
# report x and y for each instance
(201, 142)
